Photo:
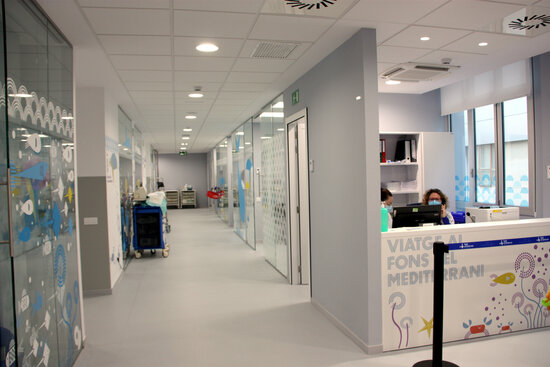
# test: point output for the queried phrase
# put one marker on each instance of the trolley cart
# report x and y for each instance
(149, 230)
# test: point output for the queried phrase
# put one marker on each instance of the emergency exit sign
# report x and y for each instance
(295, 96)
(183, 153)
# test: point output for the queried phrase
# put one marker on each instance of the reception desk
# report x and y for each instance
(496, 275)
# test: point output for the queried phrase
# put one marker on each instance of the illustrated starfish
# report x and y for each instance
(428, 326)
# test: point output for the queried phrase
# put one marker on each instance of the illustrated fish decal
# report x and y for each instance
(506, 278)
(68, 154)
(36, 172)
(69, 195)
(113, 161)
(26, 207)
(37, 305)
(34, 142)
(70, 176)
(25, 234)
(56, 220)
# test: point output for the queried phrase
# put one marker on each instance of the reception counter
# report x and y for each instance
(495, 277)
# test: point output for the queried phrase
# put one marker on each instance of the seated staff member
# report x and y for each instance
(386, 198)
(437, 197)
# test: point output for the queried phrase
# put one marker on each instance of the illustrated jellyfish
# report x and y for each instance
(525, 264)
(397, 305)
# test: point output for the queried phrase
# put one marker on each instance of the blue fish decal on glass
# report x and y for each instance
(37, 305)
(70, 229)
(36, 172)
(56, 220)
(25, 234)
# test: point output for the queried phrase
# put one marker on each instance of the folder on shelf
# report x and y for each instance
(403, 151)
(413, 150)
(382, 150)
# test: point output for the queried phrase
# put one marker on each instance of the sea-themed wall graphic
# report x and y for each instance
(488, 290)
(48, 319)
(36, 111)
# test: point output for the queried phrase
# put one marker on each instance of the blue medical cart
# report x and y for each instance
(149, 230)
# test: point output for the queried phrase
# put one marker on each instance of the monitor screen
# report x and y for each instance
(416, 215)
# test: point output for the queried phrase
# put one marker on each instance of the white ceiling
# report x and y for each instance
(143, 51)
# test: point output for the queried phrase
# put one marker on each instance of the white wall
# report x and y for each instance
(178, 171)
(91, 130)
(411, 112)
(344, 199)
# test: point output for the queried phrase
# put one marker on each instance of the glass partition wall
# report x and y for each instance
(38, 220)
(125, 151)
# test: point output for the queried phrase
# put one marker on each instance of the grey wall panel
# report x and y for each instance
(178, 171)
(344, 199)
(94, 239)
(411, 112)
(541, 86)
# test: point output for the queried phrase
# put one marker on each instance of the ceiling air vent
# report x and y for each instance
(273, 50)
(415, 72)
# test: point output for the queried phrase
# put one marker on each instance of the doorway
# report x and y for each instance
(298, 181)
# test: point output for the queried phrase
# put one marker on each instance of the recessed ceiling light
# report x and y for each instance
(393, 82)
(186, 137)
(197, 93)
(281, 129)
(187, 129)
(207, 47)
(247, 143)
(425, 38)
(358, 98)
(239, 133)
(265, 137)
(183, 148)
(482, 44)
(190, 117)
(272, 114)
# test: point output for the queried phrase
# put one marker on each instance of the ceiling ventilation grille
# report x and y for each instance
(414, 72)
(273, 50)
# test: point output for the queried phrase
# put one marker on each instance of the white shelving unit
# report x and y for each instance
(434, 166)
(188, 198)
(172, 198)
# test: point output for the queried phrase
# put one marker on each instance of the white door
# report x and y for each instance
(298, 175)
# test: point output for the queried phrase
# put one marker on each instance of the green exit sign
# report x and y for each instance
(183, 153)
(295, 96)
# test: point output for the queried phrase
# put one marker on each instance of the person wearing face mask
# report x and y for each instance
(437, 197)
(386, 199)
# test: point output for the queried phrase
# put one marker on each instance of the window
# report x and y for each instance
(498, 168)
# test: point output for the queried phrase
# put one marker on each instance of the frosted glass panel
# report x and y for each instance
(459, 122)
(222, 175)
(484, 120)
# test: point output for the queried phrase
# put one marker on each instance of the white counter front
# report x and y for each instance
(495, 279)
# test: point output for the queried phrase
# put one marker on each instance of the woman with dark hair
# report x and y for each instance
(437, 197)
(386, 199)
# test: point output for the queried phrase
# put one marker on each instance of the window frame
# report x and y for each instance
(530, 210)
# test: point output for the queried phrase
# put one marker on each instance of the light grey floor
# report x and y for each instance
(215, 302)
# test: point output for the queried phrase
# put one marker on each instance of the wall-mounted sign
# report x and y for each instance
(295, 96)
(183, 153)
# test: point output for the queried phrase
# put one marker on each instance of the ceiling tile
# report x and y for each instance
(245, 87)
(139, 62)
(469, 14)
(241, 6)
(136, 45)
(212, 24)
(394, 11)
(439, 37)
(129, 21)
(260, 65)
(383, 66)
(204, 63)
(495, 42)
(287, 28)
(253, 77)
(158, 86)
(206, 88)
(236, 96)
(149, 4)
(544, 3)
(457, 58)
(524, 2)
(200, 76)
(229, 47)
(333, 9)
(383, 30)
(150, 76)
(250, 47)
(393, 54)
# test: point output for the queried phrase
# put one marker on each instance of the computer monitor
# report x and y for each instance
(416, 215)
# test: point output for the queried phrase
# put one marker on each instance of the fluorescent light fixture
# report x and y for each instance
(186, 137)
(183, 148)
(279, 105)
(393, 82)
(239, 133)
(196, 95)
(43, 136)
(266, 137)
(26, 135)
(281, 129)
(482, 44)
(190, 117)
(47, 146)
(67, 118)
(20, 95)
(187, 129)
(207, 47)
(247, 143)
(425, 38)
(358, 98)
(272, 114)
(125, 149)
